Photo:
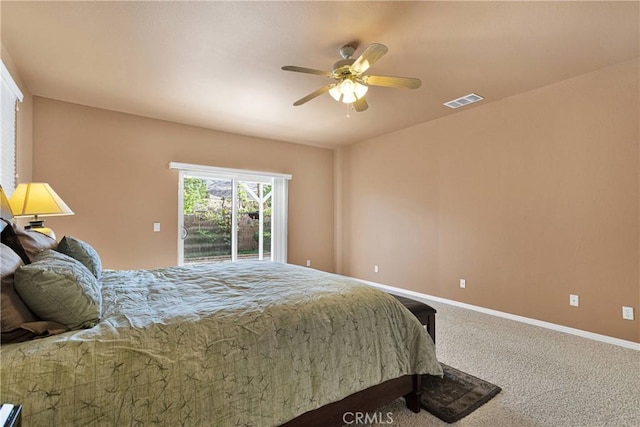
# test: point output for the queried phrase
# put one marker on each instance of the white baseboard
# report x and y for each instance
(579, 332)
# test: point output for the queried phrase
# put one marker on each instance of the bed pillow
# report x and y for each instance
(9, 238)
(58, 288)
(18, 323)
(83, 252)
(26, 243)
(13, 312)
(34, 242)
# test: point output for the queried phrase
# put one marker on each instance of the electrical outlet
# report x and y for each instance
(627, 313)
(375, 269)
(156, 227)
(308, 263)
(463, 283)
(574, 300)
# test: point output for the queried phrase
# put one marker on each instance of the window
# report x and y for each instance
(10, 95)
(231, 215)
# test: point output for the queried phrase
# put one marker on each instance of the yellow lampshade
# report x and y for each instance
(5, 209)
(38, 199)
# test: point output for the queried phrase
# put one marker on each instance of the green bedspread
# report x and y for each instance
(251, 344)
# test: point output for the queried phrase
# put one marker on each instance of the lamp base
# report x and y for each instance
(38, 225)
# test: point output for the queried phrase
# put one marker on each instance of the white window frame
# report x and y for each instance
(10, 96)
(279, 205)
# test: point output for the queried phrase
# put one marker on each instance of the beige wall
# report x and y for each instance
(112, 169)
(529, 199)
(24, 123)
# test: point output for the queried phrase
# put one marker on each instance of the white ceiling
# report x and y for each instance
(217, 64)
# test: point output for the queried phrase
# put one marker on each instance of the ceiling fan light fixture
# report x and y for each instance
(335, 93)
(350, 84)
(348, 91)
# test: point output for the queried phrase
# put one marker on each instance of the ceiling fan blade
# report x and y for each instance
(370, 56)
(360, 105)
(313, 94)
(391, 81)
(306, 70)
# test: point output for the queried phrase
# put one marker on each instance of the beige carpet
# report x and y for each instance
(548, 378)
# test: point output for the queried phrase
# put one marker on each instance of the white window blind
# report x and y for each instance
(10, 95)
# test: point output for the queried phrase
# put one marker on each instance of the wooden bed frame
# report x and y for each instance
(366, 400)
(370, 399)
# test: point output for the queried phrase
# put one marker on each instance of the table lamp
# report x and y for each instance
(37, 199)
(5, 209)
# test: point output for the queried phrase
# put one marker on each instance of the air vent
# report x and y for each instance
(464, 100)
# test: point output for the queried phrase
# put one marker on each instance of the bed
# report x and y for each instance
(243, 344)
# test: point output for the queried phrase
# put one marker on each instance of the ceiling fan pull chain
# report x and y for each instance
(348, 110)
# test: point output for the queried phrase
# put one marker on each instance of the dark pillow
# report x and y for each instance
(58, 288)
(9, 238)
(26, 243)
(18, 323)
(34, 242)
(83, 252)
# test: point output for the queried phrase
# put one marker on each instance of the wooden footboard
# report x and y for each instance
(334, 414)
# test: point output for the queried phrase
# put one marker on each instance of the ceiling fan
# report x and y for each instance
(351, 84)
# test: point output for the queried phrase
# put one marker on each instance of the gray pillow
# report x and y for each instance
(83, 252)
(58, 288)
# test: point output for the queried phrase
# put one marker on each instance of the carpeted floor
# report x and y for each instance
(548, 378)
